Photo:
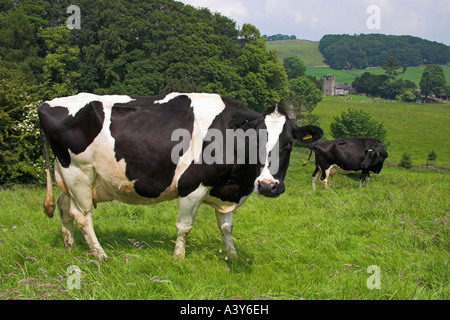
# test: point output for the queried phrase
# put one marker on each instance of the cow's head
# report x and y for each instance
(280, 131)
(374, 158)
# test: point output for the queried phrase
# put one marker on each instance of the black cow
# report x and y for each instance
(348, 156)
(144, 150)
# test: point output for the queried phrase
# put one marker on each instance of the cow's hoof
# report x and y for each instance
(179, 257)
(232, 255)
(100, 255)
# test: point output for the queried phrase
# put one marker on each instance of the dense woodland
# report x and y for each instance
(371, 50)
(125, 47)
(138, 47)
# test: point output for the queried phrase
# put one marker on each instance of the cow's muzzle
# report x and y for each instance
(269, 188)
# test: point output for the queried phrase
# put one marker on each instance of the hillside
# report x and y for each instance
(307, 50)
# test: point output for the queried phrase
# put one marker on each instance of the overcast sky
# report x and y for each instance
(311, 19)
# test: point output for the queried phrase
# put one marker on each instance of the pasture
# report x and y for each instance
(413, 128)
(304, 245)
(307, 50)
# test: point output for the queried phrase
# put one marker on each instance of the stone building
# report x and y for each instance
(333, 88)
(329, 85)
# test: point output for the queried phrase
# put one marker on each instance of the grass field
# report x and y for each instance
(304, 245)
(308, 51)
(413, 128)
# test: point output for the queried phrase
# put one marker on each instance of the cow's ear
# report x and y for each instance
(307, 134)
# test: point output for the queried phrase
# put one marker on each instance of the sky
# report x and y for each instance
(312, 19)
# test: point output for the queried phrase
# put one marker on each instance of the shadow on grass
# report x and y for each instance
(118, 241)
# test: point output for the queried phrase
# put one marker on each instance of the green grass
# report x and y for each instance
(306, 50)
(304, 245)
(413, 128)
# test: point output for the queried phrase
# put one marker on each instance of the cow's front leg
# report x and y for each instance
(363, 179)
(187, 211)
(225, 224)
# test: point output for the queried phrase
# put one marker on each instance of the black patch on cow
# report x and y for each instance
(142, 131)
(67, 132)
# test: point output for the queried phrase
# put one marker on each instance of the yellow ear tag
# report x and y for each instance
(307, 137)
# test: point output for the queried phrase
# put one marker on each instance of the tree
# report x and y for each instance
(358, 123)
(432, 81)
(294, 67)
(20, 147)
(60, 63)
(391, 66)
(265, 81)
(302, 99)
(369, 83)
(405, 161)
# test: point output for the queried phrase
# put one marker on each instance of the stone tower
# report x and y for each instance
(329, 85)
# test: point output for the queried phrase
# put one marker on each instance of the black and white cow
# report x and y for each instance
(122, 148)
(348, 156)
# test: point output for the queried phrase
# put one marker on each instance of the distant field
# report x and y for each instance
(306, 50)
(413, 128)
(412, 73)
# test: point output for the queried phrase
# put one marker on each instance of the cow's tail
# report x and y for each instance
(310, 154)
(49, 201)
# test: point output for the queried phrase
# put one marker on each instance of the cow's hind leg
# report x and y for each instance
(225, 224)
(66, 220)
(316, 175)
(187, 211)
(80, 207)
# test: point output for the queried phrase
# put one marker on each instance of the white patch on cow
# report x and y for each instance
(333, 169)
(206, 108)
(79, 101)
(168, 97)
(274, 124)
(336, 169)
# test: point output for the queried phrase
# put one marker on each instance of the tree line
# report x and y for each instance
(279, 37)
(391, 86)
(373, 50)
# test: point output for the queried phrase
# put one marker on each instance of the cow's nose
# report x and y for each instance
(268, 188)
